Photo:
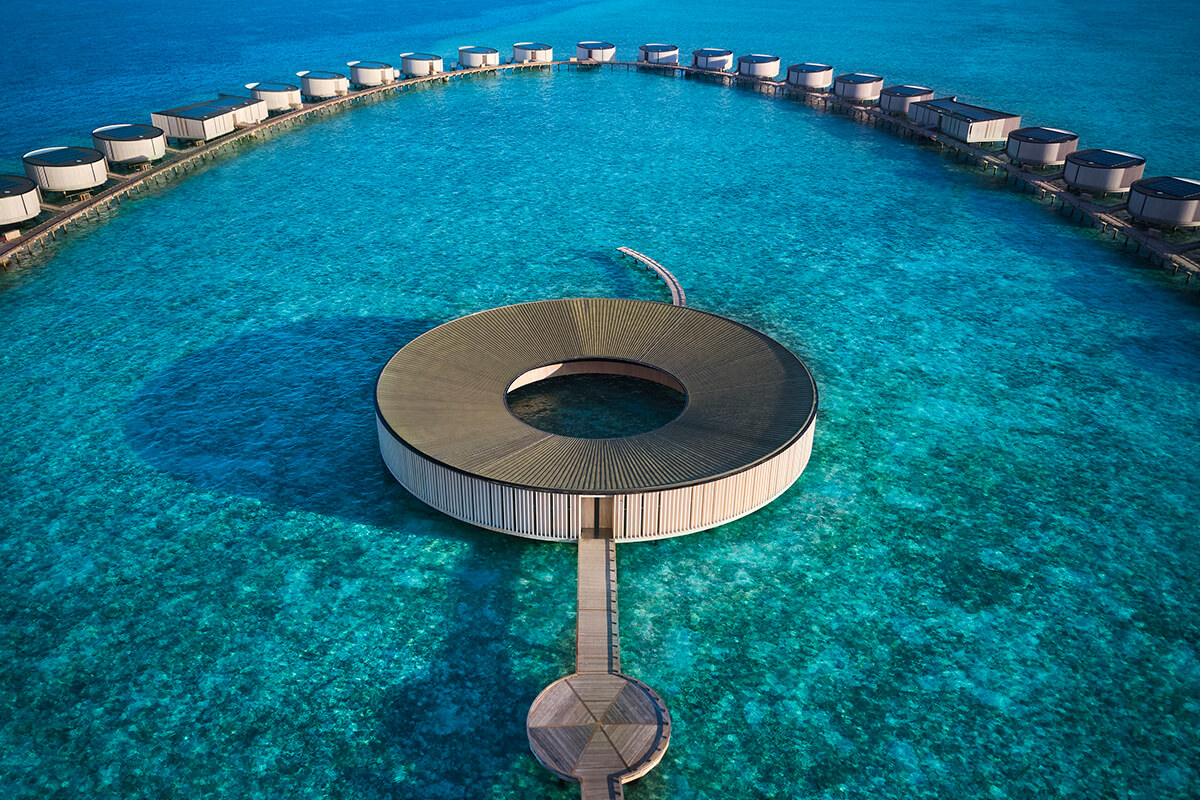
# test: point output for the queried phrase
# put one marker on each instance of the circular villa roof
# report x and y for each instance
(859, 77)
(1105, 159)
(907, 91)
(128, 132)
(62, 156)
(748, 397)
(758, 58)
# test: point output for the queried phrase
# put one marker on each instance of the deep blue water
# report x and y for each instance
(983, 586)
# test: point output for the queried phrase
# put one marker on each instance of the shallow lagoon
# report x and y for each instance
(983, 585)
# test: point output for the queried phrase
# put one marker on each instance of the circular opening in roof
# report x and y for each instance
(596, 399)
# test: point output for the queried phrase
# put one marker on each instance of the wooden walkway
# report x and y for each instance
(1113, 220)
(677, 296)
(598, 727)
(178, 163)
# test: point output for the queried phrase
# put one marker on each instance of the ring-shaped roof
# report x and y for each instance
(748, 396)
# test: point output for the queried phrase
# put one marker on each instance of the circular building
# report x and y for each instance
(712, 58)
(448, 436)
(810, 77)
(1040, 146)
(471, 56)
(525, 52)
(20, 200)
(66, 169)
(897, 99)
(323, 85)
(418, 64)
(858, 87)
(758, 65)
(370, 73)
(1166, 201)
(596, 51)
(279, 97)
(130, 144)
(1102, 170)
(658, 54)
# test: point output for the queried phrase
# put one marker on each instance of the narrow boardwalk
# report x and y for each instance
(1109, 219)
(597, 639)
(598, 727)
(677, 296)
(179, 162)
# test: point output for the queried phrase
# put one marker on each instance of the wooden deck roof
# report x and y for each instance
(748, 397)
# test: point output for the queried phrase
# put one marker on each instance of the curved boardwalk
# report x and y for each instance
(677, 296)
(1109, 219)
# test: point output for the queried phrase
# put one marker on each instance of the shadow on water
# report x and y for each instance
(286, 416)
(458, 730)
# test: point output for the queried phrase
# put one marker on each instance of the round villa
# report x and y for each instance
(596, 51)
(446, 432)
(810, 77)
(471, 56)
(322, 85)
(525, 52)
(897, 99)
(1102, 170)
(712, 58)
(279, 97)
(20, 200)
(66, 169)
(658, 54)
(758, 65)
(418, 64)
(1040, 146)
(1166, 201)
(130, 144)
(858, 87)
(370, 73)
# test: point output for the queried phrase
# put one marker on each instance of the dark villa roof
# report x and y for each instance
(709, 52)
(597, 45)
(321, 75)
(127, 133)
(748, 397)
(859, 77)
(273, 87)
(658, 48)
(952, 108)
(479, 50)
(62, 156)
(809, 67)
(425, 56)
(1112, 159)
(533, 46)
(1045, 135)
(906, 91)
(15, 184)
(210, 108)
(758, 58)
(370, 65)
(1163, 186)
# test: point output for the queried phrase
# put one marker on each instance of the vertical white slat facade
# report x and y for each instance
(556, 516)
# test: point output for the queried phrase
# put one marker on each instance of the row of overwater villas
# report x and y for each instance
(1161, 200)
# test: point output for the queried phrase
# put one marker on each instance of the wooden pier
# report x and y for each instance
(179, 162)
(1113, 220)
(677, 296)
(598, 727)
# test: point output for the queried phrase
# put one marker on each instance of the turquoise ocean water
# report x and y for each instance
(984, 585)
